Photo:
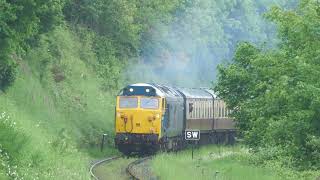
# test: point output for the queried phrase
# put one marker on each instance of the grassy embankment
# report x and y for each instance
(224, 162)
(52, 117)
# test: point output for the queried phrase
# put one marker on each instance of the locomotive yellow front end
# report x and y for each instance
(138, 119)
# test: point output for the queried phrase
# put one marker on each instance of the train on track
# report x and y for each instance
(151, 117)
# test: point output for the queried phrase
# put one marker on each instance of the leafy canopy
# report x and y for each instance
(275, 94)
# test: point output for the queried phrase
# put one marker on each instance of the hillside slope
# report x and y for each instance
(55, 111)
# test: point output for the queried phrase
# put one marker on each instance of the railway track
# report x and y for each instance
(100, 162)
(130, 168)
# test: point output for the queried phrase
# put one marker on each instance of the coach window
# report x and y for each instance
(201, 109)
(212, 109)
(216, 111)
(219, 107)
(197, 109)
(190, 107)
(223, 110)
(209, 109)
(205, 109)
(199, 112)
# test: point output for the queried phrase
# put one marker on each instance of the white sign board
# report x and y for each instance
(192, 134)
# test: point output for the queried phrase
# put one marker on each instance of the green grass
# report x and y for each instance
(57, 125)
(3, 175)
(214, 162)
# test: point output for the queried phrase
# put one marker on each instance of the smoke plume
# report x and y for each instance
(186, 51)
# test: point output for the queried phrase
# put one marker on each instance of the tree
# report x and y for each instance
(275, 93)
(20, 24)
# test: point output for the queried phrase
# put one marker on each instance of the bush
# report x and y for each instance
(274, 94)
(7, 74)
(11, 143)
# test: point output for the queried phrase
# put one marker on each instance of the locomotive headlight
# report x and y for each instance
(157, 116)
(118, 114)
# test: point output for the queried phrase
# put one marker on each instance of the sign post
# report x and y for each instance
(102, 141)
(192, 135)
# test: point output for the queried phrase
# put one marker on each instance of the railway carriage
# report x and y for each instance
(152, 116)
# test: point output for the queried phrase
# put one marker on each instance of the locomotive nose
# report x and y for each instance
(138, 114)
(138, 121)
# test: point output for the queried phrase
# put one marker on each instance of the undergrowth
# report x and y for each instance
(53, 116)
(222, 162)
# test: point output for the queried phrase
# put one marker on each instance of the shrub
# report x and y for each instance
(7, 74)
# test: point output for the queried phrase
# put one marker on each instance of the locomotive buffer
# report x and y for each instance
(192, 135)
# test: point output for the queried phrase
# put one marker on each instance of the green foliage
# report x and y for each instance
(7, 74)
(214, 162)
(21, 22)
(275, 94)
(11, 140)
(63, 119)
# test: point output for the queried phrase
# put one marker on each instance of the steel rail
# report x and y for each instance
(134, 163)
(100, 162)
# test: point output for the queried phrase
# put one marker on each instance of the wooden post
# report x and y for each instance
(192, 150)
(102, 141)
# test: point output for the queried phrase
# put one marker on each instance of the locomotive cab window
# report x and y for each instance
(149, 103)
(128, 102)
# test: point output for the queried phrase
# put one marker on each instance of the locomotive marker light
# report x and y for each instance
(192, 135)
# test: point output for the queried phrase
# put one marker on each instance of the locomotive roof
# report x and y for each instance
(197, 92)
(163, 90)
(158, 92)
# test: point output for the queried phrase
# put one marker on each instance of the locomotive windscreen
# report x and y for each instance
(139, 91)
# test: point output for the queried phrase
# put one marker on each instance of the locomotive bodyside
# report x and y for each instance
(147, 115)
(152, 116)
